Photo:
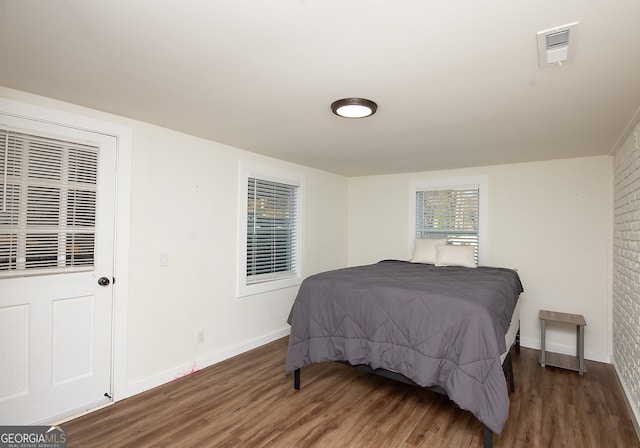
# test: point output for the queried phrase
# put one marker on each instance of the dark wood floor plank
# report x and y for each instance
(247, 401)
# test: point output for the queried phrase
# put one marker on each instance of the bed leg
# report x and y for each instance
(512, 385)
(518, 341)
(488, 438)
(296, 379)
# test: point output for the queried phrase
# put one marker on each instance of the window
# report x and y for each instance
(271, 249)
(47, 204)
(451, 213)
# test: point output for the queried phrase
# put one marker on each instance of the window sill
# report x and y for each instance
(266, 286)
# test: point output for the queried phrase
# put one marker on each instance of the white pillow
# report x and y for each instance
(424, 250)
(456, 256)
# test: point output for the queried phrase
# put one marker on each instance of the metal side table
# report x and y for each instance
(556, 359)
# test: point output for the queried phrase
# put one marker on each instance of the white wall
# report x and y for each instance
(626, 269)
(550, 220)
(184, 201)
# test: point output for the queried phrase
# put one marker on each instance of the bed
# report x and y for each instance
(448, 328)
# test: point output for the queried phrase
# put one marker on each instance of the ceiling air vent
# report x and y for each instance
(556, 45)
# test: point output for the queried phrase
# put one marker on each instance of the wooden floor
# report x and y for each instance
(248, 402)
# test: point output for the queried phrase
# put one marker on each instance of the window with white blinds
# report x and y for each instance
(451, 213)
(47, 204)
(272, 230)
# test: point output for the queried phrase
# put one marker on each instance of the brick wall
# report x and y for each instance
(626, 268)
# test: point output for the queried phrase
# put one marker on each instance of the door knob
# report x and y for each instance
(103, 281)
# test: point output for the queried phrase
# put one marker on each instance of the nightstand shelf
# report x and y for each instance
(558, 360)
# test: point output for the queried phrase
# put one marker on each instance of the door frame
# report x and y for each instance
(123, 135)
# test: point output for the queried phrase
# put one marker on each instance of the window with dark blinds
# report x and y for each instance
(47, 204)
(272, 226)
(449, 213)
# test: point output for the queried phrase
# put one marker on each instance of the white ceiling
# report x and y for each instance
(457, 82)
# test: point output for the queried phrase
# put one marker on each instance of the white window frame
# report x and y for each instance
(294, 278)
(447, 183)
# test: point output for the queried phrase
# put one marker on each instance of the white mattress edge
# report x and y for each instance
(510, 337)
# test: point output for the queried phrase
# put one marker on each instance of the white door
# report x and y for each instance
(57, 198)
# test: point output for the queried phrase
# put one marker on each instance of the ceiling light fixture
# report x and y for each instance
(354, 108)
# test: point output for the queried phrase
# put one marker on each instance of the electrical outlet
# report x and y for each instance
(200, 336)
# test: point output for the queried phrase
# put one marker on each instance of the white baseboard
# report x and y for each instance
(565, 350)
(180, 371)
(634, 413)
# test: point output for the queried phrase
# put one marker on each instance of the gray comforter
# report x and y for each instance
(438, 326)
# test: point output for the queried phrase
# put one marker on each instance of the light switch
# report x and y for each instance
(164, 259)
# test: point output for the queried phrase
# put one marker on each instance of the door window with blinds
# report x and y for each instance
(272, 250)
(449, 213)
(47, 204)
